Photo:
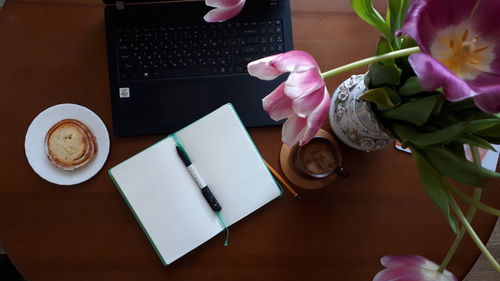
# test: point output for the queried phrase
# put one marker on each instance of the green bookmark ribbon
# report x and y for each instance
(223, 223)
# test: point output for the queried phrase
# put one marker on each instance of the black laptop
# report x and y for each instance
(168, 67)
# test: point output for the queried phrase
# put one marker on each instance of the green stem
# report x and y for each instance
(461, 233)
(473, 235)
(470, 214)
(356, 64)
(475, 155)
(483, 207)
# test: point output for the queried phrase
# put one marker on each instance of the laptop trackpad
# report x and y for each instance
(185, 103)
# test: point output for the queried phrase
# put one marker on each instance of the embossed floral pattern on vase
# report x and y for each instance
(352, 120)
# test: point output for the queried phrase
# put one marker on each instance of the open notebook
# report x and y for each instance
(167, 201)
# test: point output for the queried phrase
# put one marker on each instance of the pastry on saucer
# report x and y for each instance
(70, 144)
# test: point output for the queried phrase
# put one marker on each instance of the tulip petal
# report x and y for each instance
(300, 84)
(221, 3)
(315, 119)
(487, 85)
(406, 267)
(293, 130)
(277, 104)
(414, 22)
(489, 102)
(444, 13)
(432, 74)
(271, 67)
(303, 106)
(409, 273)
(408, 260)
(295, 61)
(302, 98)
(425, 17)
(485, 18)
(402, 273)
(223, 13)
(263, 69)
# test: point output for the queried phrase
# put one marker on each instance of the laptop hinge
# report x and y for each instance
(274, 2)
(120, 6)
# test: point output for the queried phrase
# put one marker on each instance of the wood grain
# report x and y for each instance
(55, 52)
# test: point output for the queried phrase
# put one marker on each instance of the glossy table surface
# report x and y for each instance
(54, 51)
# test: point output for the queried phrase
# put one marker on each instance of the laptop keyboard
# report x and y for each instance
(158, 52)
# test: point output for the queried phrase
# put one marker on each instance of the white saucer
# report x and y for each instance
(34, 143)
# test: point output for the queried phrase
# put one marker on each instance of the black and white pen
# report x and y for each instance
(199, 180)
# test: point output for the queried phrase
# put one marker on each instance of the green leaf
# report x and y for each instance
(460, 105)
(404, 9)
(448, 164)
(384, 47)
(380, 75)
(402, 62)
(394, 17)
(494, 140)
(443, 136)
(365, 10)
(456, 148)
(476, 141)
(434, 186)
(458, 168)
(448, 119)
(411, 87)
(453, 223)
(405, 134)
(416, 112)
(438, 106)
(488, 127)
(493, 131)
(384, 98)
(408, 42)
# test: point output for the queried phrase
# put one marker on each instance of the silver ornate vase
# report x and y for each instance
(352, 119)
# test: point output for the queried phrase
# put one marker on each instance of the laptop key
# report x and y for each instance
(183, 72)
(250, 31)
(250, 49)
(253, 40)
(124, 57)
(240, 68)
(124, 76)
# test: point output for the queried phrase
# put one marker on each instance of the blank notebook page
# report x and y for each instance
(168, 203)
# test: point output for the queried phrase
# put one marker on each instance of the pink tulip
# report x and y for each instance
(411, 268)
(302, 98)
(460, 43)
(224, 9)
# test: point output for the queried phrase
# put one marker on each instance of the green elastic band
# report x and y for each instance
(221, 220)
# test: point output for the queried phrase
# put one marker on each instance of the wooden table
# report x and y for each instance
(54, 52)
